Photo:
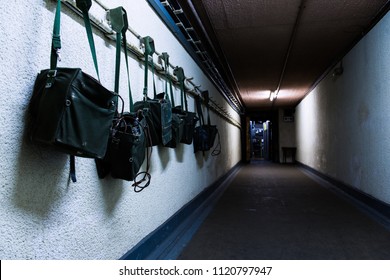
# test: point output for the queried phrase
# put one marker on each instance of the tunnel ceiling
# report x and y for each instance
(284, 46)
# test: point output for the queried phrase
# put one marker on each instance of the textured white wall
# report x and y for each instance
(286, 135)
(343, 127)
(44, 216)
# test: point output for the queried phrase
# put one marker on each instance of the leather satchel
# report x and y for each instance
(157, 111)
(189, 118)
(177, 115)
(70, 110)
(205, 134)
(127, 142)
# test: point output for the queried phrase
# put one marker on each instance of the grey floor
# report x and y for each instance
(279, 212)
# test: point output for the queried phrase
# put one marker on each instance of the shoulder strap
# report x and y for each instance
(179, 73)
(84, 6)
(119, 23)
(149, 51)
(56, 38)
(165, 58)
(199, 109)
(206, 98)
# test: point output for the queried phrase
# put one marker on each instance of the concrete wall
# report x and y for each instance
(43, 216)
(343, 127)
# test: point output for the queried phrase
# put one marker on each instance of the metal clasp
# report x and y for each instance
(58, 53)
(51, 74)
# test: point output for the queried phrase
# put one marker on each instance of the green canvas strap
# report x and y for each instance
(179, 73)
(206, 97)
(55, 46)
(199, 109)
(119, 23)
(165, 58)
(171, 91)
(149, 51)
(154, 82)
(84, 6)
(56, 38)
(126, 26)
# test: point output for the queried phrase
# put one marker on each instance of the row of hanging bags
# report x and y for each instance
(70, 110)
(157, 111)
(189, 118)
(129, 137)
(205, 134)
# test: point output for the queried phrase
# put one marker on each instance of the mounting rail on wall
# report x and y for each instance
(104, 26)
(172, 14)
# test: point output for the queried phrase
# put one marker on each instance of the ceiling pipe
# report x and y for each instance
(190, 5)
(290, 46)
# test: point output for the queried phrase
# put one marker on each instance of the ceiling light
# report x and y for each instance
(272, 95)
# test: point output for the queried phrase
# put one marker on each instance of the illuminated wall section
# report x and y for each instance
(342, 126)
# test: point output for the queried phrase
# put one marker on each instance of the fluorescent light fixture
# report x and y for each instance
(272, 95)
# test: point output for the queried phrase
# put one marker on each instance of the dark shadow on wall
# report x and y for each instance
(40, 182)
(112, 190)
(179, 152)
(42, 177)
(163, 155)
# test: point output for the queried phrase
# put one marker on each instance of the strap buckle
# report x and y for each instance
(58, 53)
(51, 74)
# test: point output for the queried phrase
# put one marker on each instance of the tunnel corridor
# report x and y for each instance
(278, 212)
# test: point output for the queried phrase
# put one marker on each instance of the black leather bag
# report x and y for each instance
(126, 148)
(177, 115)
(127, 142)
(70, 110)
(204, 137)
(205, 134)
(158, 115)
(189, 118)
(177, 129)
(157, 111)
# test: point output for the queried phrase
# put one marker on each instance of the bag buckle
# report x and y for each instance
(51, 75)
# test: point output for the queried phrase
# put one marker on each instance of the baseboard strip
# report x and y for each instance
(168, 240)
(375, 208)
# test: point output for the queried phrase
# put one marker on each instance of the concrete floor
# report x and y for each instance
(279, 212)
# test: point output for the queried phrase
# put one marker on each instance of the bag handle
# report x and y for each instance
(165, 58)
(149, 51)
(206, 98)
(199, 109)
(179, 73)
(56, 38)
(84, 6)
(119, 23)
